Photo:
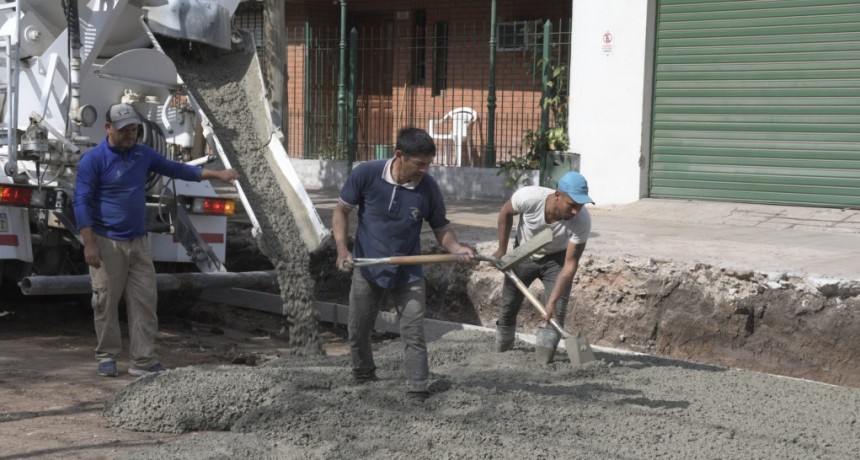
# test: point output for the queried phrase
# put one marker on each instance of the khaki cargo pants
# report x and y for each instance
(126, 272)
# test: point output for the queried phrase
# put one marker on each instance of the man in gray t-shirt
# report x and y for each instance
(563, 211)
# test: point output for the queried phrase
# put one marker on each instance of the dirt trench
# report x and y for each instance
(773, 323)
(766, 322)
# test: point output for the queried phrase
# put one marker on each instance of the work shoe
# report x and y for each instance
(505, 337)
(107, 368)
(154, 369)
(364, 377)
(546, 342)
(418, 396)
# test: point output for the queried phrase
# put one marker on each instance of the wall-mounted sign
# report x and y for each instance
(607, 42)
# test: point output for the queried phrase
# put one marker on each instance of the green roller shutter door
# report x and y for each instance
(757, 101)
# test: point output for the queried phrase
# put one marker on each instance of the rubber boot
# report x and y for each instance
(546, 342)
(505, 336)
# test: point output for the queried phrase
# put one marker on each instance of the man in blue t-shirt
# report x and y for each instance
(110, 208)
(394, 198)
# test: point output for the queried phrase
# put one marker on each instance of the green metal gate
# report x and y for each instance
(757, 101)
(409, 73)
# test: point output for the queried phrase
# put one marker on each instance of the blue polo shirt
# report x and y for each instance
(390, 217)
(110, 190)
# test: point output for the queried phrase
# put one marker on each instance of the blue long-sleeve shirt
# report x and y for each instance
(110, 190)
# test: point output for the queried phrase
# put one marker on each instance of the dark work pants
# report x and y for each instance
(365, 301)
(545, 269)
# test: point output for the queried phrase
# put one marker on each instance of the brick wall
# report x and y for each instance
(414, 103)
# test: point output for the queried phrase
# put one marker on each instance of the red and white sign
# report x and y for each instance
(607, 42)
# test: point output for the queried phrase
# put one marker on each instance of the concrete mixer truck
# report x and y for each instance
(63, 63)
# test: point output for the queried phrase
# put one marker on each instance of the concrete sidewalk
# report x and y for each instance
(802, 241)
(811, 242)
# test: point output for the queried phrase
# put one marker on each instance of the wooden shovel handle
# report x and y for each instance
(534, 301)
(409, 260)
(425, 259)
(416, 260)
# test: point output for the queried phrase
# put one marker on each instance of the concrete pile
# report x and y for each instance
(489, 405)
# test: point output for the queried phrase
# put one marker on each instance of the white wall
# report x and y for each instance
(456, 183)
(608, 90)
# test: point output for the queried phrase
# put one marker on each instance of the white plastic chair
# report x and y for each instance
(460, 119)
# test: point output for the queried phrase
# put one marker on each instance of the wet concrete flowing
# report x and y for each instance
(227, 87)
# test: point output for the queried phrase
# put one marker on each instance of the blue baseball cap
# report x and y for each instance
(575, 185)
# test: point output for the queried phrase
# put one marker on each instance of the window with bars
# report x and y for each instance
(440, 58)
(250, 18)
(419, 49)
(513, 36)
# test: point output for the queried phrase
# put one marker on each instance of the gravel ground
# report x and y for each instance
(482, 404)
(485, 404)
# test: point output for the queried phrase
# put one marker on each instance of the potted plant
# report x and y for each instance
(545, 150)
(551, 146)
(515, 169)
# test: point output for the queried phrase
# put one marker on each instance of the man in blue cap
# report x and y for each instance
(563, 211)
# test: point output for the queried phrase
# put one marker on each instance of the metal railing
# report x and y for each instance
(403, 75)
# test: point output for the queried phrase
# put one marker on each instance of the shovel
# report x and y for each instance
(417, 260)
(577, 347)
(509, 260)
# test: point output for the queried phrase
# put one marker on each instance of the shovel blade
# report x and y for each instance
(578, 349)
(526, 249)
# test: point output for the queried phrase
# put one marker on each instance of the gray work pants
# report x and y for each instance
(126, 272)
(365, 301)
(547, 270)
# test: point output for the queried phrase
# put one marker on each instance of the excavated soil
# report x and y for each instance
(769, 322)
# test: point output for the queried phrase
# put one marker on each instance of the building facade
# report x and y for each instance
(747, 101)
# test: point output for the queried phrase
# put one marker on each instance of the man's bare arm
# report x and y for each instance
(565, 277)
(340, 233)
(505, 224)
(448, 240)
